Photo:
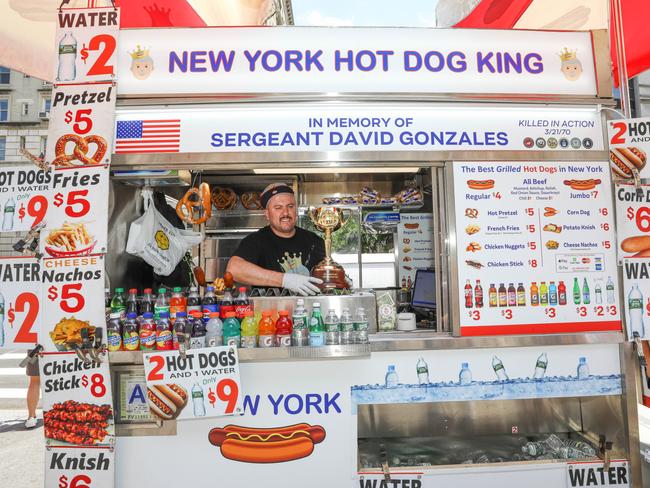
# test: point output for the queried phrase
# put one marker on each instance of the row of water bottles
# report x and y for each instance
(555, 448)
(541, 364)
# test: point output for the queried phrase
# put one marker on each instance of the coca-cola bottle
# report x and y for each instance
(193, 301)
(242, 303)
(227, 304)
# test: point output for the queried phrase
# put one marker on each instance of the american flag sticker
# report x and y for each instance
(148, 136)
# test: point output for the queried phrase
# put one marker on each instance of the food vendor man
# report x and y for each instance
(280, 254)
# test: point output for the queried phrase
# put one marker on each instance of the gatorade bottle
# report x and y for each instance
(179, 328)
(178, 303)
(147, 301)
(193, 301)
(197, 339)
(132, 301)
(300, 334)
(283, 329)
(242, 303)
(231, 330)
(249, 330)
(162, 303)
(214, 331)
(130, 336)
(316, 327)
(114, 332)
(148, 331)
(209, 303)
(118, 304)
(266, 331)
(164, 340)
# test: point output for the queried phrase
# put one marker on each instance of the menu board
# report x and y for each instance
(415, 244)
(535, 248)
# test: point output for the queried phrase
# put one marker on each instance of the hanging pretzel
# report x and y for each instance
(196, 201)
(80, 151)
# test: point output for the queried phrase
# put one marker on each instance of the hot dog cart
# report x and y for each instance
(517, 371)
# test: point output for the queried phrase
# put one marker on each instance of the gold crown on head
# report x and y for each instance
(567, 55)
(139, 53)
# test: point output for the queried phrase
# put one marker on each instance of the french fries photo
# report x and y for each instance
(69, 238)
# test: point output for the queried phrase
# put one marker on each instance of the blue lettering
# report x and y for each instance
(408, 66)
(250, 405)
(252, 59)
(269, 57)
(312, 58)
(292, 57)
(221, 59)
(174, 60)
(439, 61)
(330, 403)
(312, 400)
(195, 61)
(275, 403)
(137, 394)
(484, 61)
(533, 63)
(372, 62)
(336, 138)
(338, 60)
(502, 139)
(299, 405)
(217, 140)
(458, 66)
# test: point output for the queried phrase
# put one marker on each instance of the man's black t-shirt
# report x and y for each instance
(297, 254)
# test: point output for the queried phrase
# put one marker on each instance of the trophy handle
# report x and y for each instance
(344, 220)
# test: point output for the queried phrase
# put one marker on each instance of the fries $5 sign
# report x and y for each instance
(20, 306)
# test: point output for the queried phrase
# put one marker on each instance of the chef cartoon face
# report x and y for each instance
(141, 63)
(571, 66)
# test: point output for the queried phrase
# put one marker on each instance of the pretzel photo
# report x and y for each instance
(80, 151)
(224, 198)
(195, 207)
(251, 200)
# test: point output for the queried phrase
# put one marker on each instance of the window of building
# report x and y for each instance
(25, 109)
(3, 146)
(47, 103)
(43, 145)
(4, 75)
(23, 142)
(4, 109)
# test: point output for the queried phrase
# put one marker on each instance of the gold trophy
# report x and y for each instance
(328, 220)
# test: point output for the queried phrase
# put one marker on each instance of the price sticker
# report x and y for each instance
(20, 306)
(74, 467)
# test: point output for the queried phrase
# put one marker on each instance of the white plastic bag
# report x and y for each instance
(155, 240)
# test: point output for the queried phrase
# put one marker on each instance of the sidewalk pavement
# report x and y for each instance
(21, 451)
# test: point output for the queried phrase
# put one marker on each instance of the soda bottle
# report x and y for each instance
(403, 282)
(361, 327)
(8, 215)
(610, 291)
(300, 334)
(478, 294)
(423, 372)
(346, 327)
(193, 303)
(521, 295)
(316, 327)
(283, 329)
(583, 369)
(465, 375)
(197, 338)
(107, 303)
(512, 295)
(132, 301)
(162, 303)
(534, 294)
(543, 294)
(118, 304)
(209, 303)
(331, 322)
(409, 283)
(214, 331)
(635, 311)
(561, 293)
(585, 292)
(147, 301)
(266, 330)
(598, 292)
(114, 332)
(130, 335)
(148, 331)
(178, 329)
(494, 299)
(503, 296)
(552, 294)
(164, 339)
(576, 291)
(248, 330)
(391, 377)
(67, 69)
(499, 370)
(469, 301)
(242, 303)
(540, 366)
(227, 304)
(231, 330)
(178, 303)
(198, 400)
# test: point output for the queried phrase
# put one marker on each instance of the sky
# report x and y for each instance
(412, 13)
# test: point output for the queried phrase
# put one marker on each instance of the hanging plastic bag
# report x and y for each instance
(158, 242)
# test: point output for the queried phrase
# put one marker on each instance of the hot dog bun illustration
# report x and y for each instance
(480, 184)
(266, 445)
(624, 159)
(588, 184)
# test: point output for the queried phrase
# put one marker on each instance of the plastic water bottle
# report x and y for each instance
(67, 58)
(347, 327)
(300, 333)
(598, 292)
(2, 320)
(465, 375)
(610, 291)
(423, 372)
(534, 449)
(332, 336)
(553, 442)
(581, 446)
(635, 309)
(316, 327)
(499, 370)
(162, 303)
(391, 377)
(198, 400)
(572, 453)
(540, 366)
(583, 369)
(361, 327)
(214, 331)
(8, 214)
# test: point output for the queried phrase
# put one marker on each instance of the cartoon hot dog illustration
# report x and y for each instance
(480, 184)
(166, 401)
(272, 445)
(588, 184)
(639, 246)
(624, 159)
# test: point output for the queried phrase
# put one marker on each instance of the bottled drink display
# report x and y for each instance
(67, 69)
(300, 333)
(198, 400)
(283, 329)
(465, 375)
(266, 331)
(598, 293)
(231, 330)
(114, 332)
(164, 336)
(177, 303)
(499, 369)
(521, 295)
(610, 291)
(249, 330)
(586, 298)
(214, 331)
(242, 303)
(503, 296)
(391, 377)
(148, 330)
(130, 334)
(576, 292)
(209, 303)
(543, 294)
(478, 294)
(316, 327)
(162, 303)
(197, 338)
(178, 330)
(132, 301)
(194, 301)
(512, 295)
(361, 326)
(561, 293)
(552, 294)
(469, 300)
(423, 372)
(227, 304)
(534, 294)
(583, 369)
(540, 366)
(146, 305)
(331, 322)
(493, 298)
(635, 311)
(346, 327)
(118, 303)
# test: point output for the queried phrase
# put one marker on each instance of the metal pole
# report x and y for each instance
(619, 40)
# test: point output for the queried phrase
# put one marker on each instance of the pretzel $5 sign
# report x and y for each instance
(72, 296)
(79, 467)
(20, 305)
(76, 213)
